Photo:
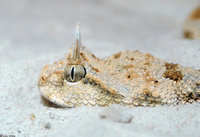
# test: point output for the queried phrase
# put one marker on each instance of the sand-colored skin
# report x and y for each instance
(129, 78)
(191, 27)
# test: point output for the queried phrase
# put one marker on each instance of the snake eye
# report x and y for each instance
(74, 73)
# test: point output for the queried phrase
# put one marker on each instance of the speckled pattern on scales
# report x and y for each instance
(129, 78)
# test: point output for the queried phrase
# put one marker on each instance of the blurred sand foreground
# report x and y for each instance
(34, 33)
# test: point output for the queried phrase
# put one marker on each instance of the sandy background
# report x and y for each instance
(34, 33)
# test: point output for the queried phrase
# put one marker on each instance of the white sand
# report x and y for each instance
(34, 33)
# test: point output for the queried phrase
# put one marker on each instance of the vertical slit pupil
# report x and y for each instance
(72, 73)
(84, 72)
